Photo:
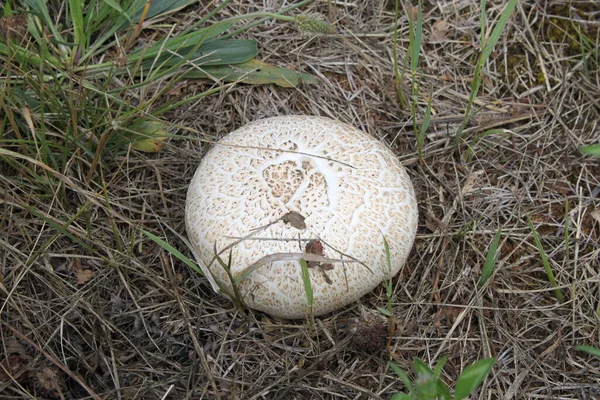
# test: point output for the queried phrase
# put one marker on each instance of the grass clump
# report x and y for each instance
(90, 79)
(545, 262)
(487, 46)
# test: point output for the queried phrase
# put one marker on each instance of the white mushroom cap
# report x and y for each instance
(349, 189)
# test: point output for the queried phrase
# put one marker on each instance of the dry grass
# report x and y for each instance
(96, 309)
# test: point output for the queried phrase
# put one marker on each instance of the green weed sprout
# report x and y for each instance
(429, 386)
(487, 46)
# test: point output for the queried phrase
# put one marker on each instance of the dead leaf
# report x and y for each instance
(439, 31)
(295, 219)
(432, 223)
(413, 10)
(82, 275)
(471, 184)
(14, 26)
(14, 361)
(449, 313)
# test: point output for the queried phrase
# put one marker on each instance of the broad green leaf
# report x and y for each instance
(472, 377)
(592, 149)
(150, 136)
(7, 9)
(253, 72)
(403, 377)
(213, 52)
(176, 43)
(402, 396)
(426, 385)
(422, 369)
(157, 8)
(438, 368)
(443, 392)
(590, 350)
(161, 8)
(490, 259)
(191, 39)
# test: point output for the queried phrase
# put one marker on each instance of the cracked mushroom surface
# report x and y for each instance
(281, 187)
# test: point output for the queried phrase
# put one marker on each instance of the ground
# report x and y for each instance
(91, 307)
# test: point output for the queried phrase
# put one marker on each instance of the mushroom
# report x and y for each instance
(285, 189)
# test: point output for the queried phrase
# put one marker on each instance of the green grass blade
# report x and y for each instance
(415, 38)
(416, 43)
(115, 6)
(253, 72)
(470, 152)
(307, 285)
(78, 25)
(39, 8)
(175, 44)
(397, 75)
(557, 292)
(61, 229)
(172, 250)
(490, 259)
(486, 51)
(498, 29)
(306, 282)
(592, 149)
(472, 377)
(424, 128)
(483, 21)
(590, 350)
(389, 290)
(388, 264)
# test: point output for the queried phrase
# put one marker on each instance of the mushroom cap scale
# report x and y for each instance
(348, 188)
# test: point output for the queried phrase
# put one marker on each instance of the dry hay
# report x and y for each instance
(129, 321)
